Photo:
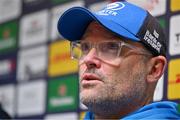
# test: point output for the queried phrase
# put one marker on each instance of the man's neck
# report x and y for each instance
(122, 113)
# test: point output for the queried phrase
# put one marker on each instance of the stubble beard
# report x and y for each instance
(111, 100)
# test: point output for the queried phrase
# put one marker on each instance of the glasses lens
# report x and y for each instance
(85, 47)
(108, 50)
(76, 52)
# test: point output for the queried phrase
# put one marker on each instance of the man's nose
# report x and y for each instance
(91, 59)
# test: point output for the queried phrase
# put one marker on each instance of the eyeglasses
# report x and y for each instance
(105, 50)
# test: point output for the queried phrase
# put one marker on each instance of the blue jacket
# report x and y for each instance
(156, 110)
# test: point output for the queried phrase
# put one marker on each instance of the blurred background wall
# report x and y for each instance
(37, 77)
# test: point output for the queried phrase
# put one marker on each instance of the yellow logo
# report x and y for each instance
(175, 5)
(174, 79)
(60, 62)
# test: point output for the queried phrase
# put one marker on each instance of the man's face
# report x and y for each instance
(104, 85)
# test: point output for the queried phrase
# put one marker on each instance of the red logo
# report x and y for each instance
(62, 90)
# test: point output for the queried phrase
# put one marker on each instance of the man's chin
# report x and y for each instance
(88, 94)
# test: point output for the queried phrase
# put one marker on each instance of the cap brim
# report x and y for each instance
(73, 23)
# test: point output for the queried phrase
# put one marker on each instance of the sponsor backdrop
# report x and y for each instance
(37, 77)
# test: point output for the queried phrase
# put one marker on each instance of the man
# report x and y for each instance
(122, 54)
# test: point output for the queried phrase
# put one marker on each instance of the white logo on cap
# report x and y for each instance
(115, 6)
(152, 39)
(111, 9)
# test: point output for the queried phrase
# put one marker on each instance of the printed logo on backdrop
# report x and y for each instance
(162, 22)
(111, 9)
(31, 98)
(174, 40)
(56, 12)
(9, 9)
(174, 79)
(175, 5)
(32, 63)
(8, 37)
(62, 90)
(178, 37)
(7, 70)
(64, 100)
(63, 93)
(34, 28)
(155, 7)
(60, 61)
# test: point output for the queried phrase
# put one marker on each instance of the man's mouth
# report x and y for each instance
(90, 79)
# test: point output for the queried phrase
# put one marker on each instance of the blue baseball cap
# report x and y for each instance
(122, 18)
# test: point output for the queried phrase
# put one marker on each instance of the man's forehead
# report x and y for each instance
(95, 28)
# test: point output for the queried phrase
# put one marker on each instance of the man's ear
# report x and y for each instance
(156, 68)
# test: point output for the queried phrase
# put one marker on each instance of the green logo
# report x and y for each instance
(63, 93)
(162, 22)
(8, 36)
